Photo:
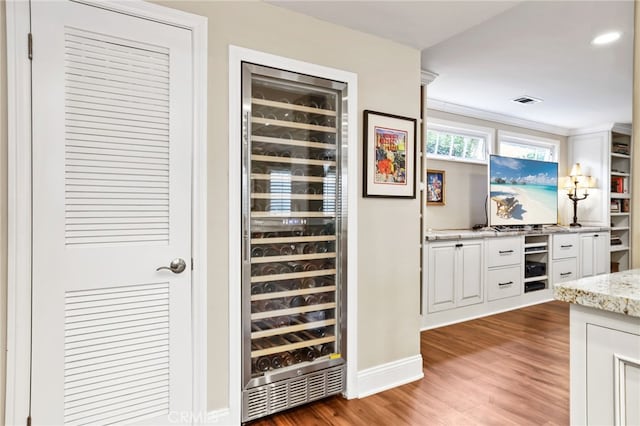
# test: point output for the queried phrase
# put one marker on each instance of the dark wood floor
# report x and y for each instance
(506, 369)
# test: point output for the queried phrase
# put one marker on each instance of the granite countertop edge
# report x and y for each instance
(460, 234)
(618, 292)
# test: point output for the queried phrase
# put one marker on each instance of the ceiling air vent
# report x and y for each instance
(527, 100)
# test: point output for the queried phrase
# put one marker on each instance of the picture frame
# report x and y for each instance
(436, 184)
(389, 168)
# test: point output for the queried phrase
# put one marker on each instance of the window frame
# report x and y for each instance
(461, 129)
(529, 140)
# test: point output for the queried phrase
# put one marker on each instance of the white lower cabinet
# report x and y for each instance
(504, 282)
(605, 368)
(594, 254)
(565, 270)
(454, 274)
(470, 278)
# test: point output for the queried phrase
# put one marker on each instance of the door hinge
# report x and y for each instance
(30, 45)
(28, 420)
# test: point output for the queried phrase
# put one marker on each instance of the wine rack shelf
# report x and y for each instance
(292, 311)
(292, 178)
(292, 346)
(291, 125)
(279, 196)
(293, 142)
(292, 107)
(306, 239)
(291, 160)
(291, 214)
(299, 292)
(291, 276)
(292, 258)
(292, 328)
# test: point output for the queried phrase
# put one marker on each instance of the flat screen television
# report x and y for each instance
(522, 192)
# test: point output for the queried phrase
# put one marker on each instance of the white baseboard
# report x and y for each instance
(390, 375)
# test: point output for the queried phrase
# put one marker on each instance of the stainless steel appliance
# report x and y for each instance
(294, 239)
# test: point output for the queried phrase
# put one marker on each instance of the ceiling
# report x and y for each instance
(487, 53)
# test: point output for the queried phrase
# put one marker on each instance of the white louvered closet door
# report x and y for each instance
(112, 141)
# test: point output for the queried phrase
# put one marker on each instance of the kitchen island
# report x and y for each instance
(604, 348)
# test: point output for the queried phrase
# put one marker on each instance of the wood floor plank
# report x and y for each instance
(506, 369)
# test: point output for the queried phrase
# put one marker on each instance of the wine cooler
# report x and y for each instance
(294, 239)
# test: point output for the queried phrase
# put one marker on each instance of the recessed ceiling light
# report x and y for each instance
(606, 38)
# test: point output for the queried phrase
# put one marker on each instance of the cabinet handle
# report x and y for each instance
(459, 245)
(507, 283)
(505, 251)
(596, 236)
(567, 246)
(564, 274)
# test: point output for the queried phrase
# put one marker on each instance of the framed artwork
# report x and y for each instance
(389, 155)
(435, 187)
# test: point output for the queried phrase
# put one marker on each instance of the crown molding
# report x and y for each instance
(427, 76)
(496, 117)
(624, 128)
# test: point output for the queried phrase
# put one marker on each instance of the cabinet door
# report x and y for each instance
(601, 251)
(613, 376)
(442, 272)
(587, 255)
(469, 269)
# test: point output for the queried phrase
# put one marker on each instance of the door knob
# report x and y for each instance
(176, 266)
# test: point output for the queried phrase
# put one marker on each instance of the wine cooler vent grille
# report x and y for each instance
(269, 399)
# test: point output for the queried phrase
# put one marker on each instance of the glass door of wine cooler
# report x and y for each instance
(294, 232)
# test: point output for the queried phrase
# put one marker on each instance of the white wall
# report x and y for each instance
(466, 183)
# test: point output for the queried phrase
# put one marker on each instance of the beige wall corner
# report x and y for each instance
(635, 208)
(389, 230)
(3, 206)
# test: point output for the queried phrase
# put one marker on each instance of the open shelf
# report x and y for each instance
(538, 278)
(618, 248)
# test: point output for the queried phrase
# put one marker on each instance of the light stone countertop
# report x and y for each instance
(460, 234)
(618, 292)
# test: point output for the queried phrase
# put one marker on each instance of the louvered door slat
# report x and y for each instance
(116, 100)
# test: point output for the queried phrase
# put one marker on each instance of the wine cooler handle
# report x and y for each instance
(176, 266)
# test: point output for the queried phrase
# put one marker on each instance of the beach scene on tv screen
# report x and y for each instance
(522, 192)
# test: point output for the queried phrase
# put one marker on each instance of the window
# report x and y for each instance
(457, 141)
(529, 147)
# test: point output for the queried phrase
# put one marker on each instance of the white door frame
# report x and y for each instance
(19, 197)
(237, 55)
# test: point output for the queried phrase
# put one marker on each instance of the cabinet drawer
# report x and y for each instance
(504, 251)
(504, 282)
(565, 270)
(565, 246)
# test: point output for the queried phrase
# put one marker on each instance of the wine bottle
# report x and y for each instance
(257, 289)
(326, 349)
(257, 252)
(276, 361)
(269, 287)
(262, 364)
(297, 301)
(270, 251)
(286, 250)
(308, 283)
(310, 266)
(297, 266)
(267, 270)
(287, 359)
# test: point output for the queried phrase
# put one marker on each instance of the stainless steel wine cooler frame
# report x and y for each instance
(297, 384)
